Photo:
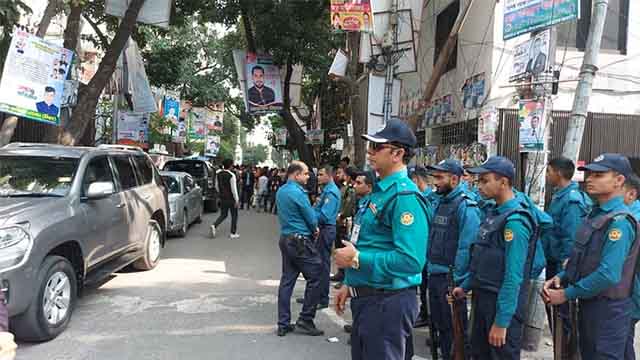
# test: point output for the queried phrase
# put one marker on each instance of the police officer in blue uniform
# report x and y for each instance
(601, 268)
(299, 250)
(326, 208)
(454, 227)
(500, 266)
(387, 252)
(631, 195)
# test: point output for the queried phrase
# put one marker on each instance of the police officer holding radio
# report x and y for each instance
(500, 266)
(454, 227)
(387, 252)
(298, 233)
(601, 268)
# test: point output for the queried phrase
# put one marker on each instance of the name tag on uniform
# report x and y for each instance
(355, 233)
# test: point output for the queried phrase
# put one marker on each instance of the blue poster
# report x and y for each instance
(525, 16)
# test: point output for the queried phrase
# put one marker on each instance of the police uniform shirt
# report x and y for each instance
(295, 213)
(327, 206)
(568, 208)
(393, 250)
(517, 232)
(620, 236)
(635, 314)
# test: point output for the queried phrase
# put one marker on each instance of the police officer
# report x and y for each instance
(631, 194)
(569, 206)
(386, 255)
(500, 266)
(454, 227)
(326, 209)
(298, 233)
(600, 270)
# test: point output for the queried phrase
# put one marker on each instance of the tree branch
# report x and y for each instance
(52, 9)
(104, 41)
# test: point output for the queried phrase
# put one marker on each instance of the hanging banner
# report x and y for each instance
(525, 16)
(315, 137)
(171, 112)
(33, 78)
(531, 57)
(351, 15)
(212, 145)
(156, 12)
(487, 126)
(215, 118)
(198, 124)
(264, 87)
(531, 119)
(138, 87)
(281, 137)
(133, 129)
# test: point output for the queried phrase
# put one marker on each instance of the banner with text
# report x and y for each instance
(525, 16)
(347, 15)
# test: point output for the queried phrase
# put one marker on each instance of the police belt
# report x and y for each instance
(298, 237)
(364, 291)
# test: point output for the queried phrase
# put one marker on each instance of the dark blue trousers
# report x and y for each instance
(441, 313)
(630, 352)
(423, 292)
(604, 328)
(484, 308)
(325, 243)
(310, 265)
(383, 326)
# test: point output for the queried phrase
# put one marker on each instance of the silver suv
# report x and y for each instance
(69, 218)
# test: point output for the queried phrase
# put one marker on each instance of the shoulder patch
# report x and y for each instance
(508, 235)
(406, 218)
(615, 234)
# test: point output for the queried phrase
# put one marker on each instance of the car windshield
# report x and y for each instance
(193, 168)
(172, 184)
(31, 176)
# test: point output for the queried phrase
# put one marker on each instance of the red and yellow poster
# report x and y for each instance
(351, 15)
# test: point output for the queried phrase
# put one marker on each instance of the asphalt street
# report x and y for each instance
(207, 299)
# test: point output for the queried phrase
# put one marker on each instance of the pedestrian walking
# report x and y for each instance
(500, 266)
(299, 250)
(229, 200)
(601, 268)
(263, 190)
(347, 211)
(248, 183)
(327, 211)
(387, 252)
(455, 225)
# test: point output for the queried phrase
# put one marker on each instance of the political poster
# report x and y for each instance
(488, 125)
(198, 124)
(215, 118)
(171, 113)
(315, 137)
(33, 78)
(133, 129)
(531, 120)
(264, 87)
(525, 16)
(212, 145)
(531, 57)
(351, 15)
(281, 136)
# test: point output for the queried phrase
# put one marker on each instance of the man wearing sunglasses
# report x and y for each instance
(387, 252)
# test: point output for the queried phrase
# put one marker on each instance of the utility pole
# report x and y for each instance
(580, 110)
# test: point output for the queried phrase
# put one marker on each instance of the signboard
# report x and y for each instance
(531, 57)
(33, 78)
(315, 137)
(348, 15)
(525, 16)
(171, 112)
(215, 116)
(531, 118)
(156, 12)
(264, 87)
(487, 126)
(212, 145)
(133, 129)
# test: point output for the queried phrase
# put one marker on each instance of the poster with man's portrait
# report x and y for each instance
(531, 57)
(531, 120)
(351, 15)
(264, 86)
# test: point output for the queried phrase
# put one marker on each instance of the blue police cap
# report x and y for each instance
(395, 131)
(496, 164)
(418, 171)
(450, 165)
(609, 162)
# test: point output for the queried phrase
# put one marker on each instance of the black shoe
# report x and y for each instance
(307, 327)
(422, 321)
(348, 328)
(300, 300)
(282, 331)
(322, 306)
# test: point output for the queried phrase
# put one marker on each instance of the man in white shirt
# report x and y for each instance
(263, 190)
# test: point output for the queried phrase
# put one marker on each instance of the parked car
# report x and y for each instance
(185, 201)
(203, 174)
(69, 218)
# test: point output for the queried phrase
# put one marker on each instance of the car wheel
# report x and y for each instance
(185, 224)
(51, 308)
(152, 248)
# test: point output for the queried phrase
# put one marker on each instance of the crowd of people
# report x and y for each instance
(414, 244)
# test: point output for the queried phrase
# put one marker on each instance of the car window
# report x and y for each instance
(188, 183)
(98, 170)
(126, 175)
(36, 176)
(173, 185)
(193, 168)
(143, 170)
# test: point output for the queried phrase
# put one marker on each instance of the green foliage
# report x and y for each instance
(255, 155)
(9, 17)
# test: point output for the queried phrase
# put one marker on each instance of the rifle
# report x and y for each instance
(573, 353)
(558, 333)
(435, 339)
(457, 352)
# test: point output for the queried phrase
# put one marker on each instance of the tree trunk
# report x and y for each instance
(295, 132)
(248, 30)
(52, 9)
(85, 111)
(71, 40)
(359, 119)
(8, 128)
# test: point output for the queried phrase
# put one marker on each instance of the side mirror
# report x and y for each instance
(100, 190)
